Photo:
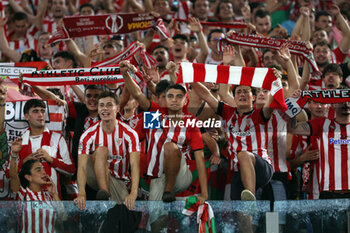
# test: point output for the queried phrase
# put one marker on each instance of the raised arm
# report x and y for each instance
(293, 80)
(81, 57)
(231, 56)
(205, 95)
(196, 27)
(134, 89)
(4, 45)
(344, 28)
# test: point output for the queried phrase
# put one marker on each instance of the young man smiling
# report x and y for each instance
(105, 151)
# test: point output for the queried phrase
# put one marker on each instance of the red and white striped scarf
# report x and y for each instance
(324, 96)
(127, 54)
(252, 40)
(246, 76)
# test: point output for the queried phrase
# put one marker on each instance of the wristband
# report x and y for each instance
(2, 105)
(13, 156)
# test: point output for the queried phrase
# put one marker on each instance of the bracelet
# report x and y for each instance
(13, 156)
(2, 105)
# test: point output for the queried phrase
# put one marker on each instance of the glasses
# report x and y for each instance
(216, 39)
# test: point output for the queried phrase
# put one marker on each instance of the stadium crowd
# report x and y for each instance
(111, 147)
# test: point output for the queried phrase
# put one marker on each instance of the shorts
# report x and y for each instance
(183, 181)
(117, 187)
(263, 175)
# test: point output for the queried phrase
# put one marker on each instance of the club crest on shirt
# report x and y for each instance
(119, 141)
(181, 139)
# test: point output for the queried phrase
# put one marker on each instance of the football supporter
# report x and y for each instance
(305, 152)
(41, 52)
(262, 22)
(340, 52)
(168, 146)
(201, 9)
(247, 150)
(277, 131)
(36, 185)
(105, 151)
(181, 46)
(333, 137)
(224, 11)
(40, 143)
(18, 41)
(214, 57)
(161, 54)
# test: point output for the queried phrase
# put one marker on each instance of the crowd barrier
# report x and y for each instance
(317, 216)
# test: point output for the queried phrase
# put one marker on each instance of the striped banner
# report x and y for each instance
(236, 75)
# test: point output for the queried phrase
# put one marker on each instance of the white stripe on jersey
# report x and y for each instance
(120, 143)
(277, 138)
(333, 168)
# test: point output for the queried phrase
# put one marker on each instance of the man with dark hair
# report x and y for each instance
(201, 9)
(323, 20)
(262, 21)
(105, 151)
(18, 40)
(64, 60)
(332, 76)
(86, 9)
(248, 155)
(181, 47)
(39, 142)
(161, 54)
(168, 146)
(268, 58)
(214, 57)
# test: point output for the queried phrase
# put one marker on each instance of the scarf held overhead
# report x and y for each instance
(81, 26)
(127, 54)
(236, 75)
(252, 40)
(93, 75)
(295, 105)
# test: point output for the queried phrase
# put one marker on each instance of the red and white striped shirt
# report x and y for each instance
(277, 142)
(120, 144)
(56, 147)
(299, 146)
(187, 139)
(333, 139)
(37, 213)
(244, 133)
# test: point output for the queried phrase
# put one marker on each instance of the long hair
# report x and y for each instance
(25, 170)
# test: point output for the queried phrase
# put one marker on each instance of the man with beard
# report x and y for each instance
(161, 54)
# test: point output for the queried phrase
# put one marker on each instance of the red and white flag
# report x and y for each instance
(236, 75)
